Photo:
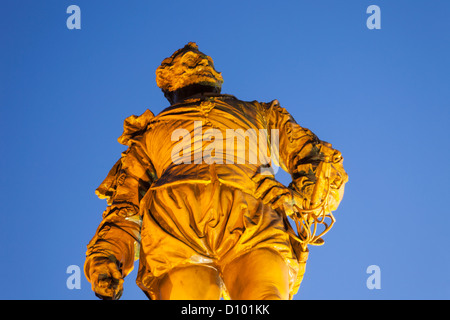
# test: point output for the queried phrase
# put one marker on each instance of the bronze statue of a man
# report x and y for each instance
(194, 196)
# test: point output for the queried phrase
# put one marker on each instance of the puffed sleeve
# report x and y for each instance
(118, 234)
(302, 153)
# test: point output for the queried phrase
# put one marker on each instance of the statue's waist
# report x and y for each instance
(244, 177)
(249, 179)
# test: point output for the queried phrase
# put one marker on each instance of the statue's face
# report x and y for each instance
(187, 68)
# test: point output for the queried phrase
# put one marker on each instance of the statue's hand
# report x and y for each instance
(106, 278)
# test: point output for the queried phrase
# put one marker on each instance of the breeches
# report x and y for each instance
(210, 224)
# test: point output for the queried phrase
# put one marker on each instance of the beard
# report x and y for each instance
(198, 75)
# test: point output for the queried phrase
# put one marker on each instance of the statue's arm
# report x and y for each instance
(301, 152)
(118, 233)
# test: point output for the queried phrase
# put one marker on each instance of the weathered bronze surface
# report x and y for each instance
(194, 196)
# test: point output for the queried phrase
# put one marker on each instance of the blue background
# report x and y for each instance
(380, 96)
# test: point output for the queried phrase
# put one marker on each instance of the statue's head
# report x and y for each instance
(188, 68)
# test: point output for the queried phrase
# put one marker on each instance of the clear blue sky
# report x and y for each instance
(380, 96)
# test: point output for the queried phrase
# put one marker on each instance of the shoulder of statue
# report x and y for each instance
(272, 107)
(108, 186)
(134, 126)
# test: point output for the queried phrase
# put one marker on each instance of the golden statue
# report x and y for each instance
(194, 196)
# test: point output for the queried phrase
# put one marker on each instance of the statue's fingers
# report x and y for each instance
(104, 293)
(104, 283)
(118, 294)
(114, 271)
(116, 280)
(94, 280)
(104, 287)
(101, 284)
(117, 287)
